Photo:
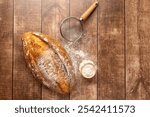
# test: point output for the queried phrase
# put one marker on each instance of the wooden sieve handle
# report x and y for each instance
(89, 11)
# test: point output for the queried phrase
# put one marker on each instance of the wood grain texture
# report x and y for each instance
(138, 52)
(53, 11)
(27, 17)
(111, 79)
(6, 32)
(85, 88)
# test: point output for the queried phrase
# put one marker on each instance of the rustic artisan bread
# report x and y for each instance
(48, 61)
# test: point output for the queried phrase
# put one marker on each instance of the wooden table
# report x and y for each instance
(117, 38)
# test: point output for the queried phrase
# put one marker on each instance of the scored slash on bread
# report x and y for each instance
(48, 61)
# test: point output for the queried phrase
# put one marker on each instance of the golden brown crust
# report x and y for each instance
(35, 46)
(48, 61)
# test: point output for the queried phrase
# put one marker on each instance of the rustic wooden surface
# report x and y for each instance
(137, 49)
(116, 38)
(111, 59)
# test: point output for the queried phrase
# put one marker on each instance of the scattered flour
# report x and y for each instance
(76, 55)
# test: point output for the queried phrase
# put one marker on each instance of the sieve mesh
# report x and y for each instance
(71, 29)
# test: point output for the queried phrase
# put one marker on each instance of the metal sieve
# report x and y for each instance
(71, 28)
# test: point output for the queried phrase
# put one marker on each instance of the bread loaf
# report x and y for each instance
(48, 61)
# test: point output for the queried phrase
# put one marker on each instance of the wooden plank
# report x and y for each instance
(27, 17)
(85, 48)
(53, 11)
(138, 52)
(6, 38)
(111, 50)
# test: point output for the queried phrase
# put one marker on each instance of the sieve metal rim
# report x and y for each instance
(62, 24)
